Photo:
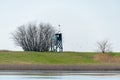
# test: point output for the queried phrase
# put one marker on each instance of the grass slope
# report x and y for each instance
(68, 58)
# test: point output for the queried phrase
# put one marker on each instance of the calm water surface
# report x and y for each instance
(61, 76)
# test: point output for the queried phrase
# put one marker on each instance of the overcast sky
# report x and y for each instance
(83, 22)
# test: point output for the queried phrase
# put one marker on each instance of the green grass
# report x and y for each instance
(68, 58)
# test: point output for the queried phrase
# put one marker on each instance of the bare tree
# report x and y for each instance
(104, 46)
(34, 37)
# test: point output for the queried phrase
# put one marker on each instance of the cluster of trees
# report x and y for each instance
(40, 38)
(34, 37)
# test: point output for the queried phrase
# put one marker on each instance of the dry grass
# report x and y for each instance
(107, 58)
(5, 51)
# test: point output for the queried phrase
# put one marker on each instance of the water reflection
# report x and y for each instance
(62, 76)
(43, 77)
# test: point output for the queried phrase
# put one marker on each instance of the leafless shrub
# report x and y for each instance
(104, 46)
(34, 37)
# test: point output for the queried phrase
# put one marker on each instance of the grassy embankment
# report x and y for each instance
(71, 58)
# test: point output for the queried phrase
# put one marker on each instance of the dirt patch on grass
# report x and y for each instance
(107, 58)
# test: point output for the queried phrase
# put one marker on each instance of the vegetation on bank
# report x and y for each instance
(67, 58)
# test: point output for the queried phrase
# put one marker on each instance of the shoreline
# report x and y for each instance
(97, 70)
(58, 73)
(60, 67)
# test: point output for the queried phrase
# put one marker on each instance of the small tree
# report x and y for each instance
(34, 37)
(104, 46)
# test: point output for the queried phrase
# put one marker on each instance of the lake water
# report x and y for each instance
(58, 76)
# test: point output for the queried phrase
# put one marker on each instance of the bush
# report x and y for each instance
(34, 37)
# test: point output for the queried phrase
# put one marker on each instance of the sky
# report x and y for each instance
(83, 22)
